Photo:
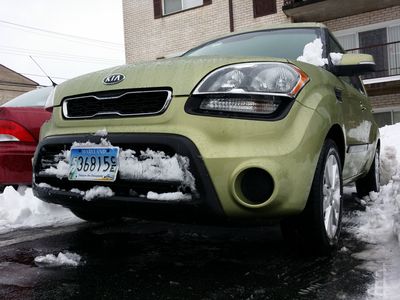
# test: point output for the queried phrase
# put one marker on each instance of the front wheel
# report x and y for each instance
(318, 226)
(371, 182)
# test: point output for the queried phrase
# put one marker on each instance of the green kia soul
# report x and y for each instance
(260, 125)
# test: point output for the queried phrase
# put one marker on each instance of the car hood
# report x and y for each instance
(181, 74)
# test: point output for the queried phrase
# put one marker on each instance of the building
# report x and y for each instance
(164, 28)
(13, 84)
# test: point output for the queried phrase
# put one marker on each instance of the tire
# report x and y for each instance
(317, 228)
(92, 215)
(372, 181)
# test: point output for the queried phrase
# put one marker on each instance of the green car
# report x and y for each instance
(254, 126)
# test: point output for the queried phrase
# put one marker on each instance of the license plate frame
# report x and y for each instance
(93, 163)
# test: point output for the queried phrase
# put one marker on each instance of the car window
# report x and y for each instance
(334, 46)
(36, 97)
(287, 43)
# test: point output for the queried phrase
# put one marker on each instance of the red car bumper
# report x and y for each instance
(16, 163)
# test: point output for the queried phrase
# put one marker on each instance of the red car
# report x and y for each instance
(20, 122)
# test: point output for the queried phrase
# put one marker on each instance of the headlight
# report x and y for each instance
(248, 90)
(254, 78)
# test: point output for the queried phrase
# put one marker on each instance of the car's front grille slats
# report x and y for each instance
(119, 104)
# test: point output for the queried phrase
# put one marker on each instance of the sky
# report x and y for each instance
(66, 38)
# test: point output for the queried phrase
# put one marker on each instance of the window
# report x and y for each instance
(264, 7)
(167, 7)
(382, 41)
(288, 43)
(387, 117)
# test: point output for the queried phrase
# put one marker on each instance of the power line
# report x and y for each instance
(56, 77)
(16, 50)
(70, 36)
(58, 58)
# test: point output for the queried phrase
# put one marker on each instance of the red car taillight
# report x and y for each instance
(11, 131)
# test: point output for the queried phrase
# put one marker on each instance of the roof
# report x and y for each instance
(8, 76)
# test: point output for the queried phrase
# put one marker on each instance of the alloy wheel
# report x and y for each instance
(331, 196)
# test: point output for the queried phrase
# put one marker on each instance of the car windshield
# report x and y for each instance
(36, 97)
(287, 43)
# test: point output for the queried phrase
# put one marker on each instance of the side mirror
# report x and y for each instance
(354, 64)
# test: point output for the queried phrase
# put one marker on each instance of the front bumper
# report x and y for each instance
(58, 190)
(219, 151)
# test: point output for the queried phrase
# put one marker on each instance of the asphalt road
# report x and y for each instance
(152, 260)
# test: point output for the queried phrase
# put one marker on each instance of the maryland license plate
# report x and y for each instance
(93, 163)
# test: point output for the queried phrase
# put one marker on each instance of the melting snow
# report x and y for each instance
(23, 210)
(67, 259)
(155, 166)
(98, 192)
(148, 165)
(168, 196)
(312, 54)
(379, 225)
(336, 57)
(102, 132)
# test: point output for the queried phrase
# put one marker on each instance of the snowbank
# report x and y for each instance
(379, 225)
(67, 259)
(20, 209)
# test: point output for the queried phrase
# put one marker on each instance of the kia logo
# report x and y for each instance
(114, 79)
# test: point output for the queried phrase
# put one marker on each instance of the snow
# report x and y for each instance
(168, 196)
(20, 209)
(98, 192)
(312, 54)
(67, 259)
(147, 165)
(336, 58)
(102, 132)
(155, 166)
(379, 224)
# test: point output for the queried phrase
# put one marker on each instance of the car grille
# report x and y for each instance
(50, 155)
(116, 103)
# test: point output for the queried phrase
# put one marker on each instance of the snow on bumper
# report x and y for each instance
(157, 172)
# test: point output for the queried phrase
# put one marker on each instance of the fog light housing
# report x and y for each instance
(254, 186)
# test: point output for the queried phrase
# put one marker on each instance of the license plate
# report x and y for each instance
(93, 164)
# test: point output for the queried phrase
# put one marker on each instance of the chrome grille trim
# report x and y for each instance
(67, 116)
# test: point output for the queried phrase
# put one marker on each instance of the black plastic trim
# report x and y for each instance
(192, 106)
(206, 203)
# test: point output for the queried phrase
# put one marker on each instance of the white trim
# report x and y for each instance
(367, 28)
(381, 79)
(386, 109)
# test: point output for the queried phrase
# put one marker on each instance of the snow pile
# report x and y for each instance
(102, 132)
(61, 169)
(379, 225)
(155, 166)
(168, 196)
(312, 54)
(67, 259)
(336, 58)
(147, 165)
(23, 210)
(388, 164)
(98, 192)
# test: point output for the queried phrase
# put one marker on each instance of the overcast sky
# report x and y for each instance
(66, 37)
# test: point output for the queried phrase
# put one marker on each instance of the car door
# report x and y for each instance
(358, 126)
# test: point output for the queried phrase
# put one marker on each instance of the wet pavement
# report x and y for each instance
(153, 260)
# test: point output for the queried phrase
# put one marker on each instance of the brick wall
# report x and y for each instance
(381, 101)
(147, 38)
(368, 18)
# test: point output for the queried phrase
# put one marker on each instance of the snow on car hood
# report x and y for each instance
(181, 74)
